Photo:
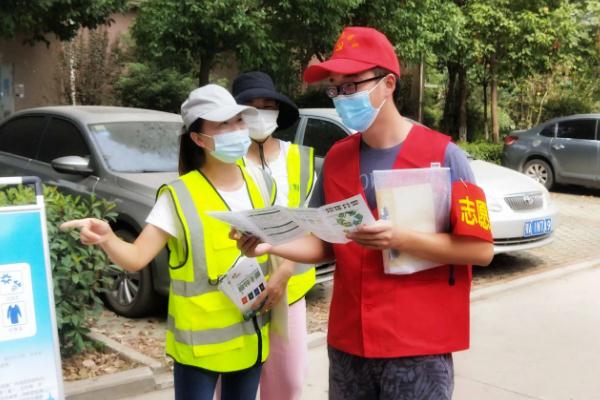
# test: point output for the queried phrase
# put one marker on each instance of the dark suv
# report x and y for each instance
(562, 150)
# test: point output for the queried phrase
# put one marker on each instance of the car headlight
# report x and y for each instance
(494, 205)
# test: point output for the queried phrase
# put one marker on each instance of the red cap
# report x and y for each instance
(358, 49)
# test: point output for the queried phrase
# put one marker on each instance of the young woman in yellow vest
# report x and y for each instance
(207, 335)
(292, 168)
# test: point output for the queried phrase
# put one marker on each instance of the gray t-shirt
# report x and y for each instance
(372, 159)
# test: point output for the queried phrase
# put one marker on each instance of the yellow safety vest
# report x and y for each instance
(204, 328)
(300, 171)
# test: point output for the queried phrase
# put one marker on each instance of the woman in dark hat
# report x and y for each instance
(276, 112)
(292, 168)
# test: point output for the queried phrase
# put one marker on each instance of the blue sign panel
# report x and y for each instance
(30, 365)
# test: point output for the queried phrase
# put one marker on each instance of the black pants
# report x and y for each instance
(405, 378)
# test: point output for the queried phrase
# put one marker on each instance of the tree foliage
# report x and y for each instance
(516, 57)
(509, 43)
(296, 31)
(148, 86)
(189, 34)
(63, 18)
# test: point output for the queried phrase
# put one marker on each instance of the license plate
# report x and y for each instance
(537, 227)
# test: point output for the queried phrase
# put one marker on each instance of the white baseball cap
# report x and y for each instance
(213, 103)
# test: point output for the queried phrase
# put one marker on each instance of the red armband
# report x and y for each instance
(468, 211)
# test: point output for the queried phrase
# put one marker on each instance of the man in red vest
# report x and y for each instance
(389, 336)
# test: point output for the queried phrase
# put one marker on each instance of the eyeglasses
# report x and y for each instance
(348, 88)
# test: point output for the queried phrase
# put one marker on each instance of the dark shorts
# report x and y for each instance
(405, 378)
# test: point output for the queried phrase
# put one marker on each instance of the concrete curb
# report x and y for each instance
(112, 386)
(152, 376)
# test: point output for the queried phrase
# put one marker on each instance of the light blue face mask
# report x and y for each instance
(356, 110)
(231, 146)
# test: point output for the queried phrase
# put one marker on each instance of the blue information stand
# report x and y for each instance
(30, 366)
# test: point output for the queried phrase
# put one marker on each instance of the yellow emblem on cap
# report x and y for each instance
(340, 43)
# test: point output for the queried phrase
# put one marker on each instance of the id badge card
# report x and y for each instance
(242, 284)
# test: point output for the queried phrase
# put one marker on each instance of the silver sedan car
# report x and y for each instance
(521, 213)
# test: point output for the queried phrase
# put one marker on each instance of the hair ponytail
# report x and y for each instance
(191, 156)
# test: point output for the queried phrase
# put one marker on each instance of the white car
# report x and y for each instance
(521, 213)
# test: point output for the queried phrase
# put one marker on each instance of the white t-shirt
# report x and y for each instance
(278, 169)
(164, 214)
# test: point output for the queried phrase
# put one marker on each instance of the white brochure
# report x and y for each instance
(277, 224)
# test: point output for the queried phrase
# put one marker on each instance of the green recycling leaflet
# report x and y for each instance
(278, 224)
(243, 283)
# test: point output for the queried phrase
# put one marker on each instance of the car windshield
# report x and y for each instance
(138, 146)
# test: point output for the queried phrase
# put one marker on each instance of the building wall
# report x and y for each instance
(36, 69)
(32, 67)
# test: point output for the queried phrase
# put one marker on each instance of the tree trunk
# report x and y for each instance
(494, 101)
(549, 80)
(486, 129)
(463, 94)
(449, 117)
(206, 61)
(72, 77)
(421, 89)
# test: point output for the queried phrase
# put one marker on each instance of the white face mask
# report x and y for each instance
(230, 146)
(262, 124)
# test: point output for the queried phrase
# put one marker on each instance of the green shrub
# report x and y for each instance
(483, 151)
(16, 196)
(147, 86)
(76, 268)
(567, 105)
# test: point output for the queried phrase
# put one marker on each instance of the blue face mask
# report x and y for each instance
(356, 110)
(231, 146)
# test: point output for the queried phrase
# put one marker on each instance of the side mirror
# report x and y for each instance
(72, 165)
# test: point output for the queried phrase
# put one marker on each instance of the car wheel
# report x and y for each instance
(130, 294)
(540, 171)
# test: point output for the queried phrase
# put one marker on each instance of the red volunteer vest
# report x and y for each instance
(375, 315)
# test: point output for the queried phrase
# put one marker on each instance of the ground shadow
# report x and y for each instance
(577, 190)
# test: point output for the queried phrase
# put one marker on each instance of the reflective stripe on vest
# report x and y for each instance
(271, 187)
(212, 336)
(300, 172)
(267, 178)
